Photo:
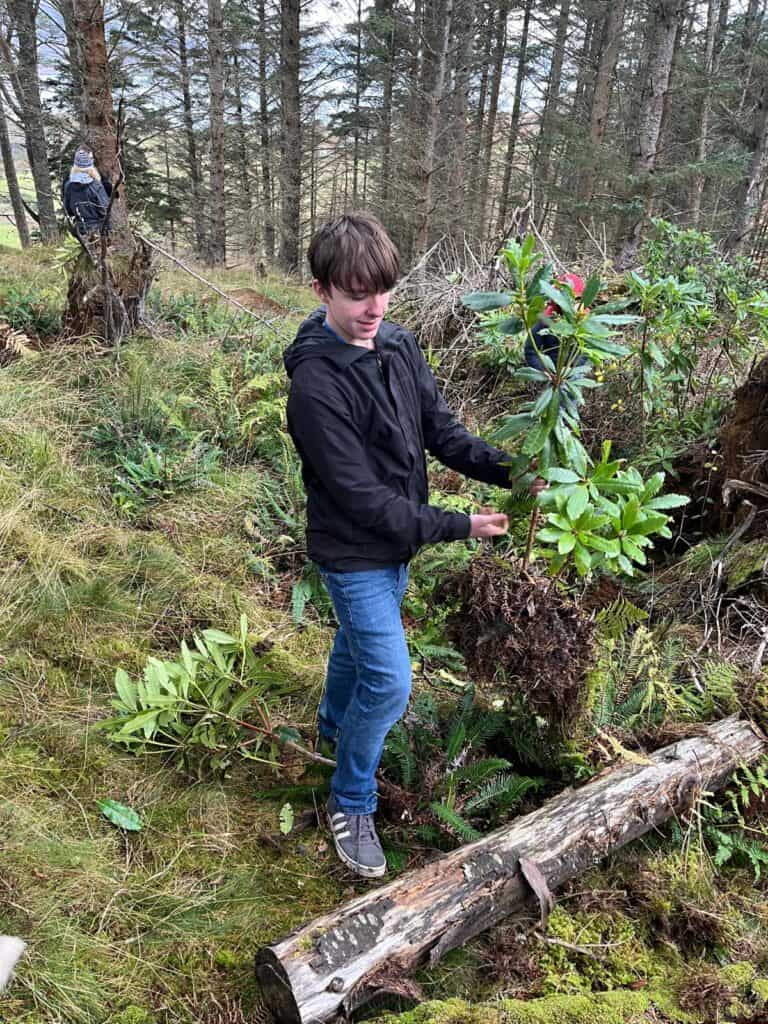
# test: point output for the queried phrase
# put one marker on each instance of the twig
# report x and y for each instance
(531, 537)
(757, 664)
(208, 284)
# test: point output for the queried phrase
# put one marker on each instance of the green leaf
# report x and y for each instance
(577, 502)
(559, 475)
(528, 373)
(482, 302)
(510, 325)
(126, 689)
(582, 559)
(566, 544)
(604, 544)
(668, 501)
(561, 298)
(286, 819)
(245, 699)
(536, 440)
(542, 402)
(549, 536)
(138, 722)
(124, 817)
(514, 425)
(300, 594)
(591, 288)
(614, 321)
(218, 637)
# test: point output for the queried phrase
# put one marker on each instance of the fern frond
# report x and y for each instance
(618, 617)
(454, 822)
(483, 726)
(477, 772)
(507, 788)
(400, 756)
(455, 741)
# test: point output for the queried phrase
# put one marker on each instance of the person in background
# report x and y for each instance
(86, 196)
(543, 341)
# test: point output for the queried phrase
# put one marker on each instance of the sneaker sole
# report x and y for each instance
(360, 869)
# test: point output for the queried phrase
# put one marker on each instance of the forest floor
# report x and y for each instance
(102, 567)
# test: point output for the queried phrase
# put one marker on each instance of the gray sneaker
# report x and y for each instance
(356, 842)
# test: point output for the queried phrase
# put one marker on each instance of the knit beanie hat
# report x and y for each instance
(83, 157)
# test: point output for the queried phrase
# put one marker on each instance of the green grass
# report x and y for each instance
(9, 236)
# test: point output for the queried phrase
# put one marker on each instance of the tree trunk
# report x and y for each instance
(242, 154)
(601, 98)
(475, 158)
(189, 130)
(68, 17)
(356, 110)
(748, 211)
(706, 110)
(217, 242)
(514, 123)
(438, 20)
(266, 172)
(499, 53)
(290, 170)
(457, 148)
(23, 13)
(341, 960)
(664, 20)
(105, 301)
(12, 180)
(543, 160)
(385, 129)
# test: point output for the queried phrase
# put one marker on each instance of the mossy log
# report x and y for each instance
(343, 959)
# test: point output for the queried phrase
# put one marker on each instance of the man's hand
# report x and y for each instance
(538, 485)
(494, 524)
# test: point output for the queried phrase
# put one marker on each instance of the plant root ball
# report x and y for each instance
(522, 632)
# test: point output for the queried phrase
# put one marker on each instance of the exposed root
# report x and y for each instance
(521, 632)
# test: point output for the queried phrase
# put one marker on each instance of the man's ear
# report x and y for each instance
(319, 291)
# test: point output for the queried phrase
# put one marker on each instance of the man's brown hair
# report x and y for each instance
(355, 253)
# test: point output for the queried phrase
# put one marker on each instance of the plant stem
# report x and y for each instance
(531, 537)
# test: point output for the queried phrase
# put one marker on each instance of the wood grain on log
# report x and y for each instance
(331, 964)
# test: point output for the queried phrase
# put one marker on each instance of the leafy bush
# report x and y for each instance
(27, 309)
(156, 472)
(198, 709)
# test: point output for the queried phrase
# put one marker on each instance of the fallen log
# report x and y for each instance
(341, 960)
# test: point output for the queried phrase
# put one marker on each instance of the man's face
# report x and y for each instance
(355, 315)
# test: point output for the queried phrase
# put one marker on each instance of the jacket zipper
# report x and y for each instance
(388, 389)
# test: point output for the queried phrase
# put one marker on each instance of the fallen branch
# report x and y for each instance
(342, 959)
(208, 284)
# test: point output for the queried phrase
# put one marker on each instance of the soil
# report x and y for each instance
(255, 301)
(522, 633)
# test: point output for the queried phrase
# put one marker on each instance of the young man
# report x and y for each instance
(363, 408)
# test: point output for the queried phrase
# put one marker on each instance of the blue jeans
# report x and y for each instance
(368, 681)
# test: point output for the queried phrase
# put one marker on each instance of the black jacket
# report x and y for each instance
(87, 203)
(361, 421)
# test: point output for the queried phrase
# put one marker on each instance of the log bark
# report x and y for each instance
(341, 960)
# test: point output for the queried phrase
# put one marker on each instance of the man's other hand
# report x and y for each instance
(493, 525)
(538, 485)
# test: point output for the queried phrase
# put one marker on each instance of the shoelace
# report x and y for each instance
(366, 828)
